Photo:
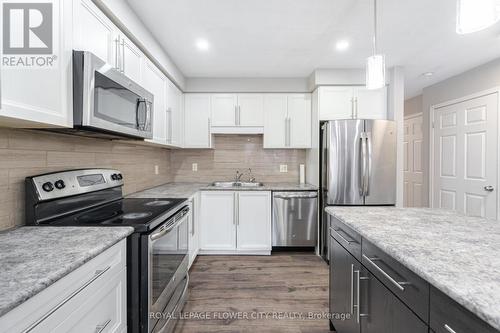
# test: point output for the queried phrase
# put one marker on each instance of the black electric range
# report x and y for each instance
(157, 251)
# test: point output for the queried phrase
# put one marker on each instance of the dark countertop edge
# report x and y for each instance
(72, 267)
(429, 279)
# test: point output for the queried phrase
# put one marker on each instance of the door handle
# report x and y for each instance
(99, 328)
(363, 169)
(449, 329)
(489, 188)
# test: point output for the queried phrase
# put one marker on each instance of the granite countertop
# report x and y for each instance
(187, 190)
(33, 258)
(458, 255)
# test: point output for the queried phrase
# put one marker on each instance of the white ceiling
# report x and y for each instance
(291, 38)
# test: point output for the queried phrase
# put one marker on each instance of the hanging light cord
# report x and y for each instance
(374, 27)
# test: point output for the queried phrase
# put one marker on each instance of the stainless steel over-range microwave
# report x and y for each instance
(106, 103)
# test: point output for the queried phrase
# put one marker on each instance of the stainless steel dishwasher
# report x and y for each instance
(295, 218)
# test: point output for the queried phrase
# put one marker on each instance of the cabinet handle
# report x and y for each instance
(342, 237)
(236, 115)
(97, 274)
(352, 107)
(209, 129)
(123, 55)
(449, 329)
(170, 126)
(352, 289)
(239, 115)
(234, 208)
(101, 327)
(387, 276)
(359, 315)
(192, 219)
(355, 107)
(237, 209)
(117, 53)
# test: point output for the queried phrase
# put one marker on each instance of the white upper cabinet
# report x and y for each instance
(224, 109)
(299, 115)
(130, 59)
(175, 115)
(42, 97)
(287, 121)
(237, 113)
(156, 83)
(94, 32)
(352, 102)
(371, 104)
(197, 133)
(250, 110)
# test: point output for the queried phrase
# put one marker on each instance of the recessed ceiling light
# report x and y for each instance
(342, 45)
(202, 44)
(428, 74)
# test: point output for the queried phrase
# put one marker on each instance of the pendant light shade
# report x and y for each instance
(375, 65)
(375, 71)
(476, 15)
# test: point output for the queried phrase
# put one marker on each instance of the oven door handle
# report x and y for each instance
(165, 230)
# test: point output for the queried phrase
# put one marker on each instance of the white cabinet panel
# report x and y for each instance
(197, 121)
(94, 32)
(223, 109)
(218, 228)
(194, 217)
(254, 220)
(175, 115)
(131, 59)
(250, 110)
(299, 115)
(275, 120)
(335, 103)
(156, 82)
(371, 104)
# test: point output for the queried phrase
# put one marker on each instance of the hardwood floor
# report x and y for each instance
(253, 287)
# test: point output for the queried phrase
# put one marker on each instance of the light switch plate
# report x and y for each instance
(283, 168)
(195, 167)
(157, 170)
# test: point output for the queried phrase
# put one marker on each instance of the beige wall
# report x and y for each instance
(413, 105)
(233, 152)
(26, 153)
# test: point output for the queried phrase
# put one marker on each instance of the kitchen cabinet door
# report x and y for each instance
(381, 311)
(156, 82)
(217, 227)
(275, 120)
(253, 220)
(175, 112)
(370, 104)
(197, 121)
(299, 115)
(93, 31)
(194, 217)
(131, 59)
(224, 111)
(343, 293)
(336, 103)
(250, 110)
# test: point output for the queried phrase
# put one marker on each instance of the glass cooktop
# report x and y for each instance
(137, 213)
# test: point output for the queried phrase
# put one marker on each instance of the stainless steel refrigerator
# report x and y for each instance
(358, 166)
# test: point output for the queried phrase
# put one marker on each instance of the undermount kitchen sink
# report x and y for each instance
(237, 184)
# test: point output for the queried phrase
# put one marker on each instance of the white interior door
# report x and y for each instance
(465, 156)
(413, 171)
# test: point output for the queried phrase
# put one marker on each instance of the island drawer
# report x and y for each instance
(347, 237)
(406, 285)
(447, 316)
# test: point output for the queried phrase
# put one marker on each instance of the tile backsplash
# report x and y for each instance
(27, 152)
(236, 152)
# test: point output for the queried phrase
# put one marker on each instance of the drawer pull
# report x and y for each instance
(101, 327)
(348, 241)
(449, 329)
(96, 275)
(399, 285)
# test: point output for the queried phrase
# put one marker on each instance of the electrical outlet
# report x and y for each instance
(195, 167)
(157, 170)
(283, 168)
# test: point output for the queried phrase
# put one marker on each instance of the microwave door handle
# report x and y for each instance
(140, 126)
(147, 124)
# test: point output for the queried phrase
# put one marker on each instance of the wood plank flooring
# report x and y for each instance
(249, 288)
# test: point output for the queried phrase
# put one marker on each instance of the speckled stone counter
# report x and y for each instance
(33, 258)
(458, 255)
(187, 190)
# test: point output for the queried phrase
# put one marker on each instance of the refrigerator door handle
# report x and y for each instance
(363, 169)
(368, 163)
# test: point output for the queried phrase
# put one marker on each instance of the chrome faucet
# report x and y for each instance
(238, 176)
(251, 178)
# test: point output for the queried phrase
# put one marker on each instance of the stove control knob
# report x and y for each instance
(119, 176)
(114, 176)
(47, 187)
(59, 184)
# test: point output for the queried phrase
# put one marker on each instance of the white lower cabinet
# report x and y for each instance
(93, 298)
(235, 222)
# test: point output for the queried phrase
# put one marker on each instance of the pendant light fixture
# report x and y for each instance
(375, 65)
(476, 15)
